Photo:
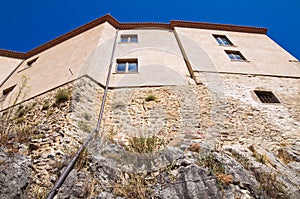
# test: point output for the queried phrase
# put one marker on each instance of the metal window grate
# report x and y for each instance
(266, 97)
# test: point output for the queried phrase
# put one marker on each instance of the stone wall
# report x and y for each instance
(48, 132)
(246, 120)
(170, 112)
(237, 146)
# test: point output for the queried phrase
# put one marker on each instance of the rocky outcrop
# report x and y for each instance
(15, 171)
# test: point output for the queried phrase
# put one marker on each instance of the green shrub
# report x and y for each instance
(62, 95)
(38, 136)
(84, 126)
(150, 97)
(215, 168)
(87, 116)
(210, 161)
(45, 106)
(50, 112)
(22, 110)
(118, 105)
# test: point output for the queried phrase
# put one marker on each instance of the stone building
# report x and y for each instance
(193, 86)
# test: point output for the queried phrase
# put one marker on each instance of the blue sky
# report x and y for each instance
(28, 24)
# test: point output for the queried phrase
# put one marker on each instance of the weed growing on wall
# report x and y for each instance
(271, 185)
(150, 98)
(62, 95)
(215, 167)
(132, 186)
(145, 144)
(83, 125)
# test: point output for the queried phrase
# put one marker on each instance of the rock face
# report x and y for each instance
(14, 176)
(211, 140)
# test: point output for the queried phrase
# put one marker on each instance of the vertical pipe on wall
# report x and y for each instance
(70, 166)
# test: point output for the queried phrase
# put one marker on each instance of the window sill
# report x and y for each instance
(239, 60)
(127, 42)
(24, 69)
(227, 45)
(122, 73)
(294, 61)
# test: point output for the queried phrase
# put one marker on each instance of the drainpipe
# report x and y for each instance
(70, 166)
(185, 57)
(11, 73)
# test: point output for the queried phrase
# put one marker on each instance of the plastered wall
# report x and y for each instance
(263, 55)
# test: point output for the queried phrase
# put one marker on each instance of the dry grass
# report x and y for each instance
(225, 179)
(243, 160)
(195, 147)
(145, 145)
(9, 130)
(284, 156)
(132, 186)
(271, 185)
(82, 161)
(259, 157)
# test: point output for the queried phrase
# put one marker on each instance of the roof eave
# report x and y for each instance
(125, 26)
(213, 26)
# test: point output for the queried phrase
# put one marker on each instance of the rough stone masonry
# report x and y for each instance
(211, 140)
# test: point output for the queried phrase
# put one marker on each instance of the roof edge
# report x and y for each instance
(12, 54)
(125, 26)
(214, 26)
(73, 33)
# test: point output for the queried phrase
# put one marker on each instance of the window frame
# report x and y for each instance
(127, 63)
(129, 38)
(220, 41)
(232, 55)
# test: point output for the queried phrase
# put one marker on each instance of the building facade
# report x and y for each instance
(160, 54)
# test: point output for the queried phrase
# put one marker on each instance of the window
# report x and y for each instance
(127, 66)
(235, 55)
(266, 96)
(223, 40)
(129, 38)
(6, 92)
(29, 63)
